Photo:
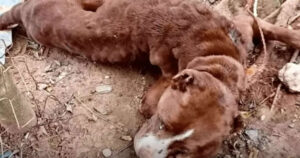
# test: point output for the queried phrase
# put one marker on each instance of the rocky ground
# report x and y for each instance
(90, 110)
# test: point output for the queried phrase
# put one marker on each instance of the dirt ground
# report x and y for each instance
(85, 108)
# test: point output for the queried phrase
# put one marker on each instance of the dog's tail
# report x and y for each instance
(11, 17)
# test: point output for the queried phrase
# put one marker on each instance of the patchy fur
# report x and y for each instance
(170, 32)
(200, 53)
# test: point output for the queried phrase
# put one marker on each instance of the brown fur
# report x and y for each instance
(203, 49)
(170, 32)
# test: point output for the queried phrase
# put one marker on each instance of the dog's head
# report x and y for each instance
(195, 112)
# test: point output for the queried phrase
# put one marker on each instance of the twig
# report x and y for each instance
(276, 96)
(96, 116)
(86, 107)
(293, 58)
(268, 97)
(266, 55)
(121, 150)
(1, 99)
(21, 151)
(51, 97)
(273, 15)
(2, 152)
(293, 19)
(28, 122)
(22, 77)
(15, 115)
(30, 74)
(14, 153)
(255, 4)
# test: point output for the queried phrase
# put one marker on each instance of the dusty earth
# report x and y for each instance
(89, 110)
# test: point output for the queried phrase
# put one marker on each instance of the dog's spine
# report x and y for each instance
(11, 17)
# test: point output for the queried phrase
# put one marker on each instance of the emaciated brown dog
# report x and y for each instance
(200, 53)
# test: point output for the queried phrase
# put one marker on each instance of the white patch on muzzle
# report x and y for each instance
(156, 147)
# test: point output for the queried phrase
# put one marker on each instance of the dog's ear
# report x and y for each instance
(181, 81)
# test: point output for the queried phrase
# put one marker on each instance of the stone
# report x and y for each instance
(289, 75)
(106, 152)
(103, 89)
(127, 138)
(252, 134)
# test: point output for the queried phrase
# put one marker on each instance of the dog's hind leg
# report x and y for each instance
(285, 35)
(11, 17)
(249, 29)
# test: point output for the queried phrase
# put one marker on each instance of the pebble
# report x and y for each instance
(41, 86)
(107, 77)
(262, 117)
(106, 152)
(252, 134)
(102, 89)
(227, 156)
(292, 125)
(127, 138)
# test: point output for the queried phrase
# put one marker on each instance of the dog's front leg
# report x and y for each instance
(152, 96)
(163, 57)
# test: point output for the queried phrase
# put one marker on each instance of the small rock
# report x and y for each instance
(69, 107)
(289, 75)
(293, 121)
(92, 118)
(41, 86)
(104, 89)
(106, 152)
(263, 117)
(252, 134)
(127, 138)
(107, 77)
(61, 76)
(57, 63)
(49, 89)
(36, 55)
(292, 125)
(227, 156)
(26, 135)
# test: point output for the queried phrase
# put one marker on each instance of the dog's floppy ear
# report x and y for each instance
(181, 81)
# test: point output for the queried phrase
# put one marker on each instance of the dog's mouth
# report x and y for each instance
(153, 140)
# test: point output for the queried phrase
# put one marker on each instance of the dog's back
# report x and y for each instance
(118, 30)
